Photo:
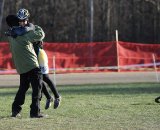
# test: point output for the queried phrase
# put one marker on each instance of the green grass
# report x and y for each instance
(84, 107)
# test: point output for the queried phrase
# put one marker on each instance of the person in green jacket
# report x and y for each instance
(26, 64)
(23, 14)
(16, 30)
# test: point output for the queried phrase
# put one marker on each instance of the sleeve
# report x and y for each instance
(11, 33)
(19, 31)
(36, 35)
(22, 30)
(30, 27)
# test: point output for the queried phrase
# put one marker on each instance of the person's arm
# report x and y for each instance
(29, 27)
(37, 35)
(39, 44)
(18, 30)
(9, 32)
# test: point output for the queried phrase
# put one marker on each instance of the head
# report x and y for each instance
(12, 20)
(23, 16)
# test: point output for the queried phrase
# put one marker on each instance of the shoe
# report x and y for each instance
(48, 103)
(157, 100)
(57, 102)
(15, 114)
(38, 116)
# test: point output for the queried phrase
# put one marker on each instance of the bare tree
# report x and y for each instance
(70, 20)
(1, 13)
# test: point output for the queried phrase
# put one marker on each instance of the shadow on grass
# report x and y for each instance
(102, 89)
(112, 91)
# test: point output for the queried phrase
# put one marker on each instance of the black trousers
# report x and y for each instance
(51, 85)
(45, 91)
(35, 78)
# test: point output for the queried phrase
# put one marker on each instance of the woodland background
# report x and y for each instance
(70, 20)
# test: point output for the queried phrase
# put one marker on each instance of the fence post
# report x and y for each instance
(54, 69)
(117, 47)
(155, 67)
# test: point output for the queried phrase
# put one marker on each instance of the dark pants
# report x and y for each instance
(45, 91)
(49, 82)
(35, 78)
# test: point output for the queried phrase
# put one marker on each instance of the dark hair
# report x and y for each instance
(12, 20)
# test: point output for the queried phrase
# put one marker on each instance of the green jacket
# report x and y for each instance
(23, 54)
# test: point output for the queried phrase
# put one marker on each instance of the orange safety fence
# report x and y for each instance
(92, 57)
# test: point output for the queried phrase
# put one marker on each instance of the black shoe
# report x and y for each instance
(157, 100)
(15, 114)
(48, 103)
(57, 102)
(38, 116)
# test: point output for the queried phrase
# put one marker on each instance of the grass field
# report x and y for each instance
(84, 107)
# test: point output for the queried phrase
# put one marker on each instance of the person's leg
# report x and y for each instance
(51, 85)
(48, 96)
(20, 96)
(45, 91)
(35, 77)
(55, 92)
